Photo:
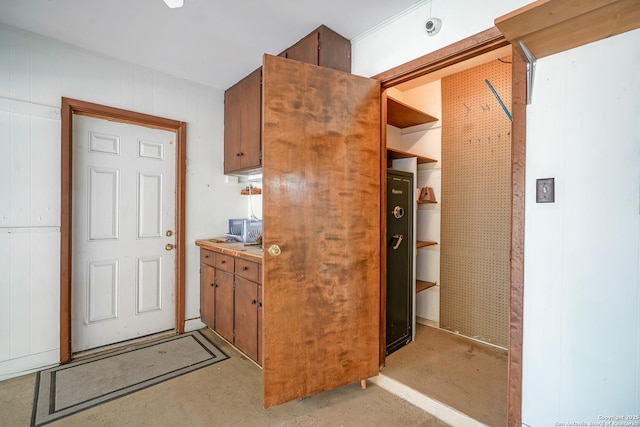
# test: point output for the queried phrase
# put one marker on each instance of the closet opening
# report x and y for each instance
(450, 125)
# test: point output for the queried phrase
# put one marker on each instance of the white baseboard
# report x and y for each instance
(427, 322)
(28, 364)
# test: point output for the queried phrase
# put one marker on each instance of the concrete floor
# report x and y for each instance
(463, 374)
(228, 393)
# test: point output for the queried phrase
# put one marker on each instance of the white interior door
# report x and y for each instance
(123, 276)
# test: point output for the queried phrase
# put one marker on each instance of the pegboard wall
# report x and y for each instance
(476, 202)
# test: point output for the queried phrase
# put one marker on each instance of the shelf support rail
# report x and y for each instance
(531, 68)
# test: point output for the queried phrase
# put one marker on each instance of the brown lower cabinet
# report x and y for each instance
(223, 303)
(231, 300)
(207, 292)
(245, 317)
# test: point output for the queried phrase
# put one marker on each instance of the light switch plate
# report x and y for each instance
(545, 190)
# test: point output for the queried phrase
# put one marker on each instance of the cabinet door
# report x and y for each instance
(247, 269)
(260, 317)
(306, 50)
(246, 317)
(207, 293)
(323, 47)
(207, 257)
(242, 138)
(322, 161)
(334, 51)
(223, 310)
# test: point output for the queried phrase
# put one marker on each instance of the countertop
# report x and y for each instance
(237, 249)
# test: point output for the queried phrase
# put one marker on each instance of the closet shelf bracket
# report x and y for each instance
(531, 68)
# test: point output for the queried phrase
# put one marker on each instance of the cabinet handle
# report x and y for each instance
(240, 154)
(259, 305)
(222, 262)
(245, 268)
(206, 256)
(253, 302)
(213, 285)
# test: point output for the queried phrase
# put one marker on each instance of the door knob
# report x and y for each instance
(168, 247)
(168, 233)
(275, 250)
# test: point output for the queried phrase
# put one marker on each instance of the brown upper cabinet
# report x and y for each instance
(243, 101)
(242, 137)
(323, 47)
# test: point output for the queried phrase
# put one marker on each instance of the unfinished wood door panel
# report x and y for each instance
(321, 196)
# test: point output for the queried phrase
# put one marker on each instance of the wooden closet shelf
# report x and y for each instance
(403, 116)
(422, 244)
(421, 285)
(393, 154)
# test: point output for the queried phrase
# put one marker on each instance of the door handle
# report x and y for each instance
(399, 237)
(168, 247)
(168, 233)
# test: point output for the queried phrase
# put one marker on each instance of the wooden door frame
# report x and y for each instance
(69, 108)
(468, 48)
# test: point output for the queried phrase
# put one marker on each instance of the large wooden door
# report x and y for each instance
(321, 207)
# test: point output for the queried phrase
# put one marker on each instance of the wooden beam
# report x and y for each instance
(547, 27)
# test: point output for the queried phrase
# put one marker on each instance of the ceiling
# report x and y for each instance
(213, 42)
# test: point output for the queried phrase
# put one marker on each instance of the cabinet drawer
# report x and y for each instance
(247, 269)
(224, 262)
(208, 257)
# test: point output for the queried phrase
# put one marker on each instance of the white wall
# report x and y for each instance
(582, 256)
(404, 38)
(34, 74)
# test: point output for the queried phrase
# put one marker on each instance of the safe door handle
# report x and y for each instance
(399, 237)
